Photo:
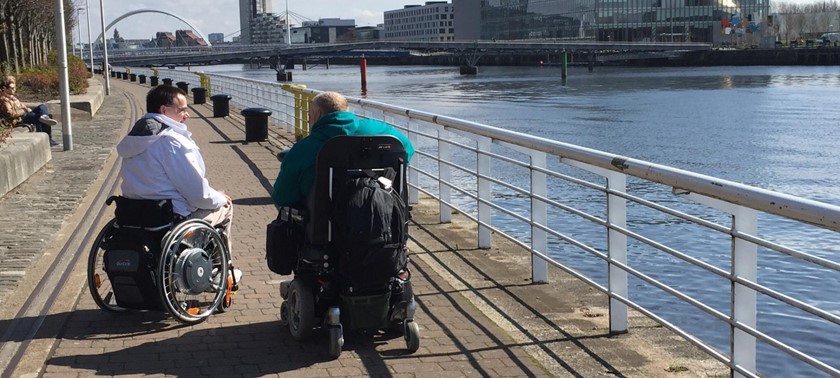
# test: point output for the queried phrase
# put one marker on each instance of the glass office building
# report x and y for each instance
(715, 21)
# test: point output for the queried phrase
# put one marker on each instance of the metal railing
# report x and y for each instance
(608, 219)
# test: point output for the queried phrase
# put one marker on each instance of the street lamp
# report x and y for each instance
(79, 27)
(90, 45)
(106, 68)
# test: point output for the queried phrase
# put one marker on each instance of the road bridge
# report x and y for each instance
(468, 50)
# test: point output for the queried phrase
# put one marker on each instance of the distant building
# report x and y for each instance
(216, 37)
(249, 11)
(433, 21)
(367, 33)
(325, 30)
(268, 28)
(714, 21)
(188, 38)
(164, 39)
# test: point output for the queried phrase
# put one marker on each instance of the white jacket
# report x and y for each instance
(161, 161)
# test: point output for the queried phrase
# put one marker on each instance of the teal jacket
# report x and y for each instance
(297, 172)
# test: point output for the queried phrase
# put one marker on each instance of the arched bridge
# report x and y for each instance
(139, 11)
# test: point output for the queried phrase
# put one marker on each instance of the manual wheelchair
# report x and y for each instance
(145, 259)
(322, 293)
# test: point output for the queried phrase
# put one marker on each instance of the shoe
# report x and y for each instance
(45, 119)
(237, 278)
(53, 143)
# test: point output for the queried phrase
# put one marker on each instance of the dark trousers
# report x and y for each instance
(34, 118)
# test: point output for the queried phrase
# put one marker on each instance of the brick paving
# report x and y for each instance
(457, 338)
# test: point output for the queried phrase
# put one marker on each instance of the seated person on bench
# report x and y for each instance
(161, 161)
(328, 117)
(14, 112)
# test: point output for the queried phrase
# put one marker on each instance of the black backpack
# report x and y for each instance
(370, 230)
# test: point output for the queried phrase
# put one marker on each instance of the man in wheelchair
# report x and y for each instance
(165, 192)
(344, 224)
(161, 161)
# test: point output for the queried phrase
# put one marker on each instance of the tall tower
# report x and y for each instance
(248, 12)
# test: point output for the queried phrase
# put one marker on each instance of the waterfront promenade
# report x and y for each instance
(479, 315)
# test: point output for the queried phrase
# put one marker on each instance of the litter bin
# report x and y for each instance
(199, 95)
(256, 124)
(184, 86)
(133, 77)
(113, 73)
(142, 79)
(167, 81)
(153, 81)
(221, 105)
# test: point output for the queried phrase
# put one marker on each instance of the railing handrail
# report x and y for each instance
(805, 210)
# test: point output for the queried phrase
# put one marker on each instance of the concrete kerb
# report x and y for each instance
(22, 155)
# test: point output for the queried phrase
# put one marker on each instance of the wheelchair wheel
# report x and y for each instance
(98, 283)
(336, 341)
(193, 271)
(412, 336)
(301, 311)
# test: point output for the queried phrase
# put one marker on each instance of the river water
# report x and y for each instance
(772, 127)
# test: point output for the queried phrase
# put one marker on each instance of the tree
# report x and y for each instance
(27, 30)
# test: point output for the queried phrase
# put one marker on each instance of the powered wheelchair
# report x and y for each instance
(333, 289)
(146, 258)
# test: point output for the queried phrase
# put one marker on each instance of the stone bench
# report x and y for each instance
(22, 155)
(82, 107)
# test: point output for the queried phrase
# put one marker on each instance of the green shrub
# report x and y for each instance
(40, 83)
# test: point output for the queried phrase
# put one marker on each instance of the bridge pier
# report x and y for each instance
(564, 65)
(468, 70)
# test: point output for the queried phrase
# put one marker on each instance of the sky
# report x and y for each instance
(216, 16)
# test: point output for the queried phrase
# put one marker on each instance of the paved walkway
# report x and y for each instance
(478, 314)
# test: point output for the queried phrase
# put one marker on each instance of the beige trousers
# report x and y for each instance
(222, 215)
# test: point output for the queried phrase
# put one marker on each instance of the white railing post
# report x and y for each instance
(444, 175)
(485, 214)
(744, 307)
(617, 250)
(413, 174)
(539, 215)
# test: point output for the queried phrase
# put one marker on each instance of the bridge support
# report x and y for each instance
(470, 62)
(468, 70)
(363, 72)
(564, 65)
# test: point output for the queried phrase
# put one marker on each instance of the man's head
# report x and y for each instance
(326, 103)
(169, 101)
(8, 84)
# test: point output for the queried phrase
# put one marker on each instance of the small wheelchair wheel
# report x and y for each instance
(192, 271)
(412, 336)
(301, 310)
(336, 341)
(284, 314)
(228, 299)
(97, 279)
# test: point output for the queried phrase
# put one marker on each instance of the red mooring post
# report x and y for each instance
(363, 69)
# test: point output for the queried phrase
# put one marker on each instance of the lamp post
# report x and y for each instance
(79, 27)
(90, 45)
(106, 68)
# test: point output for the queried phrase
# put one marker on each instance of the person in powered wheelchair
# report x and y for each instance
(345, 241)
(168, 246)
